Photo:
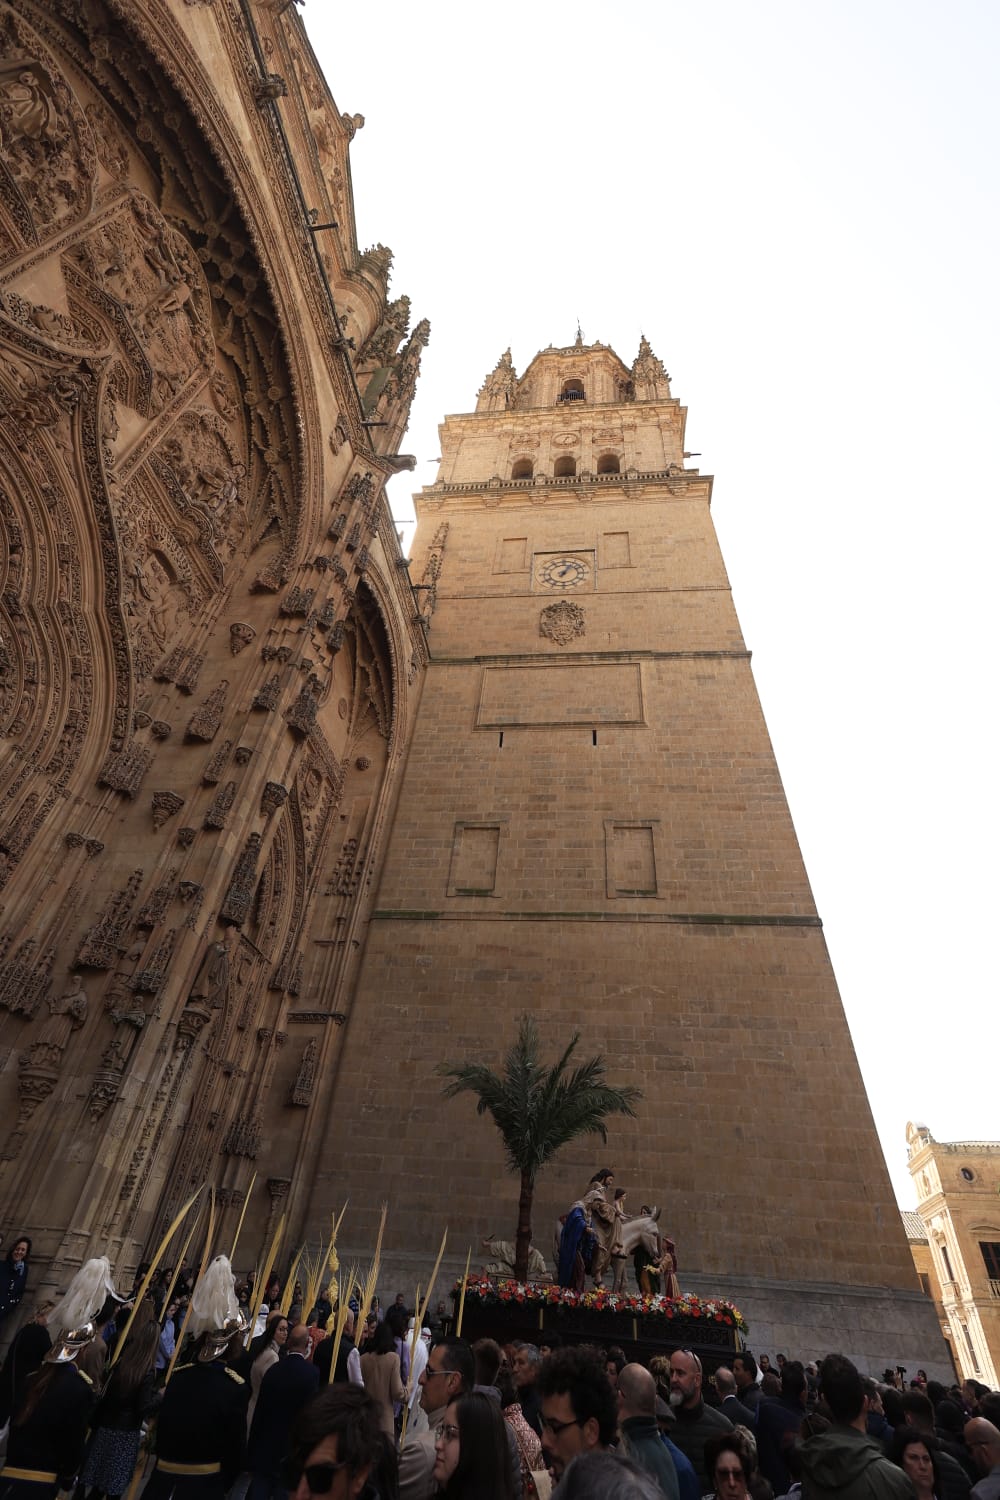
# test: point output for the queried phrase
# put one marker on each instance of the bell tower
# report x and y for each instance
(592, 828)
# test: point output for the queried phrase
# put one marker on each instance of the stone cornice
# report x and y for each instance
(513, 493)
(574, 411)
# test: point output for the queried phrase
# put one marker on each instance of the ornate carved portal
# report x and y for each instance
(180, 622)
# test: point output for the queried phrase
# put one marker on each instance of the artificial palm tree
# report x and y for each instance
(538, 1109)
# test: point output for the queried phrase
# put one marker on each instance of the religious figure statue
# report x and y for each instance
(502, 1255)
(67, 1014)
(211, 983)
(591, 1233)
(599, 1202)
(25, 108)
(655, 1260)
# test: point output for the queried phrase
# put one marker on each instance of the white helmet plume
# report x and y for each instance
(213, 1300)
(85, 1295)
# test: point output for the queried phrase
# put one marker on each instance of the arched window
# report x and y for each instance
(572, 391)
(523, 469)
(609, 463)
(565, 467)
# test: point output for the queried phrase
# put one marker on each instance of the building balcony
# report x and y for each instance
(630, 476)
(994, 1288)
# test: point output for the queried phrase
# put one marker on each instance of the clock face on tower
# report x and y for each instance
(562, 573)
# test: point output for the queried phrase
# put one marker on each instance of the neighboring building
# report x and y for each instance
(957, 1185)
(923, 1264)
(592, 826)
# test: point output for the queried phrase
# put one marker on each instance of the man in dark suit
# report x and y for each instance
(745, 1374)
(287, 1387)
(729, 1403)
(778, 1423)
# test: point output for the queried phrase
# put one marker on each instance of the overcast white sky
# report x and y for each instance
(798, 204)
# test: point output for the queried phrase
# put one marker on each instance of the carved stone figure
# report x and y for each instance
(67, 1014)
(211, 983)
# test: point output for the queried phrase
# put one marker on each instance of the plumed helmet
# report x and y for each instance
(215, 1309)
(69, 1346)
(85, 1295)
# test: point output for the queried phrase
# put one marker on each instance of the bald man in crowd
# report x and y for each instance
(695, 1422)
(638, 1427)
(983, 1441)
(730, 1404)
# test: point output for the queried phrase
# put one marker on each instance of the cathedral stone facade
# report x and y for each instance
(210, 654)
(592, 828)
(286, 821)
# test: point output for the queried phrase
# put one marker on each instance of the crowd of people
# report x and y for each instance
(203, 1400)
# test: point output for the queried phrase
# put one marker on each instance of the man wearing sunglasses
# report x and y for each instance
(336, 1446)
(450, 1371)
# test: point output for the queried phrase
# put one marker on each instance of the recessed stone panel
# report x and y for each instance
(474, 857)
(631, 859)
(577, 693)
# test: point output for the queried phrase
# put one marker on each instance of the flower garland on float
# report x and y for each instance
(500, 1290)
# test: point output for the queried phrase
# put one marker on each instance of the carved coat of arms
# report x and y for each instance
(562, 622)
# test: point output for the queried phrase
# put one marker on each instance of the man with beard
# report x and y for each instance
(696, 1422)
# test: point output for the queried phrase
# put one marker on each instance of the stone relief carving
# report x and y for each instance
(268, 694)
(297, 601)
(301, 717)
(25, 978)
(107, 1079)
(101, 943)
(150, 979)
(221, 803)
(38, 1066)
(273, 798)
(153, 910)
(155, 436)
(124, 772)
(205, 722)
(243, 1137)
(165, 805)
(213, 771)
(240, 636)
(302, 1088)
(344, 880)
(47, 144)
(562, 622)
(236, 906)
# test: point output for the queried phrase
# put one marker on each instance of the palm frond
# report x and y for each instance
(539, 1109)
